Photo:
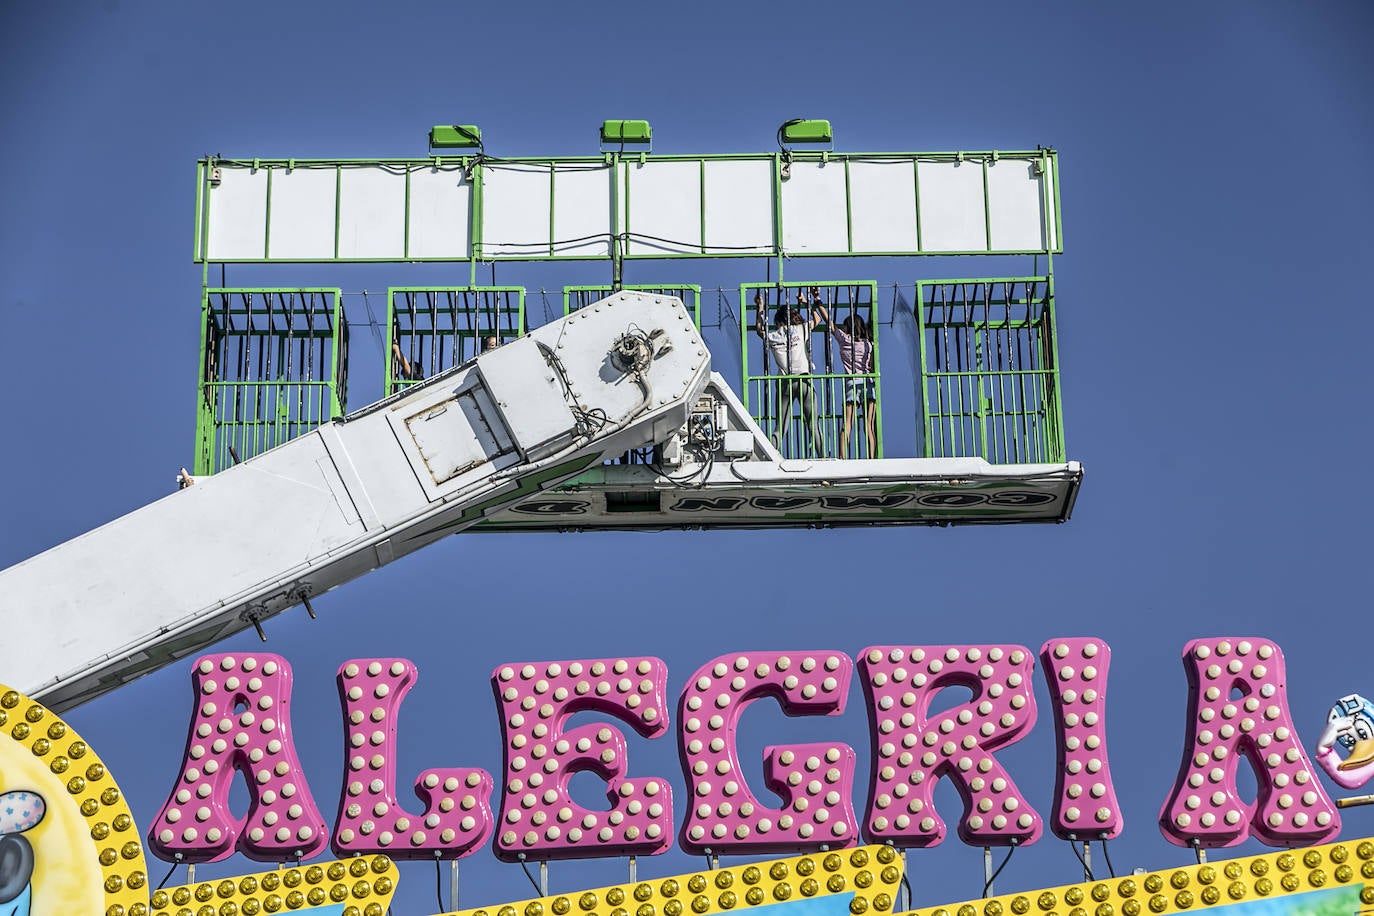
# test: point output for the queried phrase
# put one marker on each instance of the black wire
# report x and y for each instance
(787, 153)
(168, 875)
(640, 236)
(526, 869)
(698, 477)
(1073, 844)
(439, 884)
(1106, 855)
(988, 886)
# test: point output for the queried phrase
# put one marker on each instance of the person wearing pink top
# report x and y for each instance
(1351, 723)
(856, 356)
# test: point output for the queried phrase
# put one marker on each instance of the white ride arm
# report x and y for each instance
(167, 580)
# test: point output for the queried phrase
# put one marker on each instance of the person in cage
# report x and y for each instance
(855, 339)
(490, 343)
(789, 343)
(405, 369)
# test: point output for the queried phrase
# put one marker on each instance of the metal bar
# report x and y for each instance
(599, 158)
(987, 209)
(405, 238)
(338, 206)
(267, 221)
(848, 210)
(916, 189)
(553, 237)
(702, 196)
(202, 178)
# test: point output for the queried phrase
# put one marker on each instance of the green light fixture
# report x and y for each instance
(804, 130)
(619, 133)
(455, 136)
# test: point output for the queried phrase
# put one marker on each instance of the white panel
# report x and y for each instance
(302, 214)
(952, 215)
(1052, 180)
(238, 215)
(515, 210)
(739, 204)
(440, 211)
(372, 203)
(1015, 206)
(582, 208)
(664, 202)
(813, 208)
(882, 204)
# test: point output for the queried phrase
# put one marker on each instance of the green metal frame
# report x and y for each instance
(391, 383)
(990, 370)
(248, 416)
(620, 163)
(668, 289)
(832, 383)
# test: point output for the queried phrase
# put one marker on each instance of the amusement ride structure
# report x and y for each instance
(603, 412)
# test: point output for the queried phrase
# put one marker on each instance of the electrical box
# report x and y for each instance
(626, 132)
(455, 136)
(739, 443)
(807, 131)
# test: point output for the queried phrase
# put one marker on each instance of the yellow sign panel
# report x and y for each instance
(1335, 875)
(855, 881)
(358, 887)
(65, 818)
(1331, 879)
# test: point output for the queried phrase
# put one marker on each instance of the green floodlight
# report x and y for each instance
(623, 132)
(803, 130)
(455, 136)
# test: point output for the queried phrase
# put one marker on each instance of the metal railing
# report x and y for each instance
(273, 367)
(990, 370)
(434, 328)
(576, 297)
(831, 408)
(819, 415)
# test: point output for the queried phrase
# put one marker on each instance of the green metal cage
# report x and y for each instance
(274, 366)
(576, 297)
(834, 411)
(990, 370)
(434, 328)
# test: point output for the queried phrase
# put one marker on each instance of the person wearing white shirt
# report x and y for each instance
(789, 344)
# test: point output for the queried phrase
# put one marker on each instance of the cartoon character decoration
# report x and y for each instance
(1351, 724)
(19, 811)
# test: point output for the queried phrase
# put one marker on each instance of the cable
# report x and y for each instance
(988, 886)
(640, 236)
(696, 479)
(438, 883)
(1088, 872)
(169, 872)
(1106, 855)
(539, 890)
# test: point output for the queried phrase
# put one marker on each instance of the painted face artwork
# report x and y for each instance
(19, 811)
(1354, 716)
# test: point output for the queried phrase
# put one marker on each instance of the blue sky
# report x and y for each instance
(1213, 305)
